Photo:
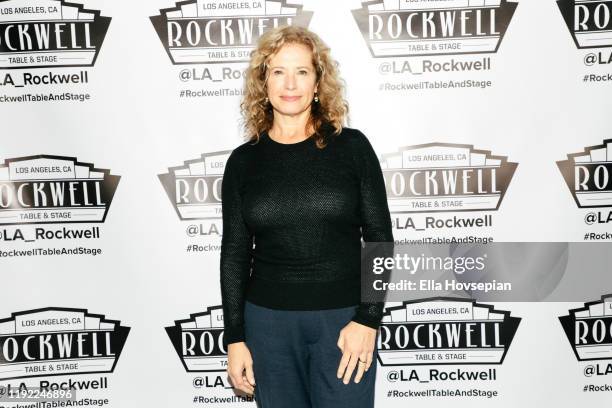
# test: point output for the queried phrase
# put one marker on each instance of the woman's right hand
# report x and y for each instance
(240, 367)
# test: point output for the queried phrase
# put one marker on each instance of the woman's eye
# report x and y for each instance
(304, 72)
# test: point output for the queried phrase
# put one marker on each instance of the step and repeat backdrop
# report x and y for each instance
(491, 119)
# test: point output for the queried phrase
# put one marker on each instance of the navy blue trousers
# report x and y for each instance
(296, 358)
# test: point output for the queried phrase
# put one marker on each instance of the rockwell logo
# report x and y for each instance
(54, 189)
(195, 187)
(199, 340)
(587, 174)
(208, 31)
(49, 33)
(59, 341)
(408, 28)
(445, 177)
(589, 329)
(445, 331)
(589, 21)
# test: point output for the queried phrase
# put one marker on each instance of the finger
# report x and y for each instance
(250, 375)
(246, 386)
(369, 359)
(343, 363)
(237, 382)
(340, 342)
(234, 377)
(350, 368)
(360, 367)
(246, 391)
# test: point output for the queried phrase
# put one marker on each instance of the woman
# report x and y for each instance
(295, 197)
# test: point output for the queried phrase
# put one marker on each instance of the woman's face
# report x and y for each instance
(291, 80)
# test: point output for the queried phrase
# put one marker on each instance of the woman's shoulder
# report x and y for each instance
(239, 156)
(353, 137)
(243, 149)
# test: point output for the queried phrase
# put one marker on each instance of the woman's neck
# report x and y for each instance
(287, 129)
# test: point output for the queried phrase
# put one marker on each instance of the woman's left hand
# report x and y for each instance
(357, 343)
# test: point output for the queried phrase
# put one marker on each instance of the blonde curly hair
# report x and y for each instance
(331, 110)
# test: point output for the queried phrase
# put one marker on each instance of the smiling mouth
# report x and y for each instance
(290, 98)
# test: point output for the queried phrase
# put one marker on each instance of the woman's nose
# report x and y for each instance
(290, 81)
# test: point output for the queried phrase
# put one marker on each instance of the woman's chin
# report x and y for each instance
(290, 108)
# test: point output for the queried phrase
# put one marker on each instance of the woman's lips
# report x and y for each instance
(290, 98)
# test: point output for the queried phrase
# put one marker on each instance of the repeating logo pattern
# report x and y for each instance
(409, 28)
(54, 189)
(195, 187)
(198, 341)
(59, 341)
(49, 33)
(589, 329)
(587, 175)
(214, 31)
(589, 21)
(436, 177)
(445, 331)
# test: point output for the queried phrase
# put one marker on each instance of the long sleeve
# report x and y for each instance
(236, 251)
(376, 220)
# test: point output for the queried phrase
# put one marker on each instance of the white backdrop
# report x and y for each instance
(545, 99)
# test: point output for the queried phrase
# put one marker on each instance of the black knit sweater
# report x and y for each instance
(293, 219)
